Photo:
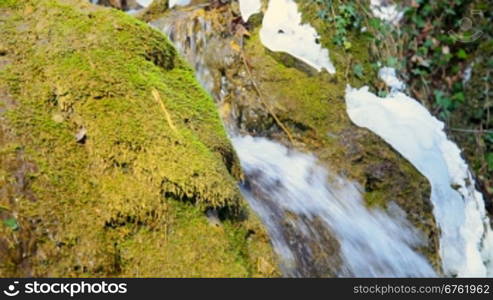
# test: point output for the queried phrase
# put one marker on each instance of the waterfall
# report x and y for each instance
(283, 182)
(172, 3)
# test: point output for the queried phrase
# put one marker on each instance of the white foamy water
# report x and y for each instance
(282, 31)
(172, 3)
(373, 243)
(466, 240)
(144, 3)
(191, 40)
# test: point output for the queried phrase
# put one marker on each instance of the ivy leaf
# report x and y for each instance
(11, 223)
(347, 45)
(462, 54)
(442, 100)
(459, 97)
(358, 71)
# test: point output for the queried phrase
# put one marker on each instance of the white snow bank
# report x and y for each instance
(466, 239)
(388, 75)
(249, 8)
(282, 31)
(172, 3)
(385, 11)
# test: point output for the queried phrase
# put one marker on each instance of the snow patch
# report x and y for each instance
(467, 74)
(249, 8)
(388, 75)
(282, 31)
(465, 242)
(385, 11)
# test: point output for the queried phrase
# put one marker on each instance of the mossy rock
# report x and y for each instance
(127, 196)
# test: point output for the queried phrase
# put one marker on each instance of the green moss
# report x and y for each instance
(99, 208)
(375, 199)
(315, 97)
(8, 3)
(187, 244)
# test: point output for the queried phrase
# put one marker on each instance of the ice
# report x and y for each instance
(249, 8)
(282, 31)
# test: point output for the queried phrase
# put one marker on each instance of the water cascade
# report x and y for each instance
(290, 191)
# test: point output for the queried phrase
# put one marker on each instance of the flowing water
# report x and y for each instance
(289, 190)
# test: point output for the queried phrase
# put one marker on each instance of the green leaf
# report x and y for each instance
(462, 54)
(347, 45)
(358, 70)
(11, 223)
(442, 100)
(375, 23)
(459, 97)
(382, 94)
(392, 61)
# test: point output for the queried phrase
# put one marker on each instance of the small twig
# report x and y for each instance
(260, 94)
(157, 97)
(471, 130)
(349, 61)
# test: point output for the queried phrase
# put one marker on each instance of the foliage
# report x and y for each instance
(447, 40)
(344, 18)
(433, 48)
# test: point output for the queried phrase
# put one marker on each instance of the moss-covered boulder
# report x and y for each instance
(111, 152)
